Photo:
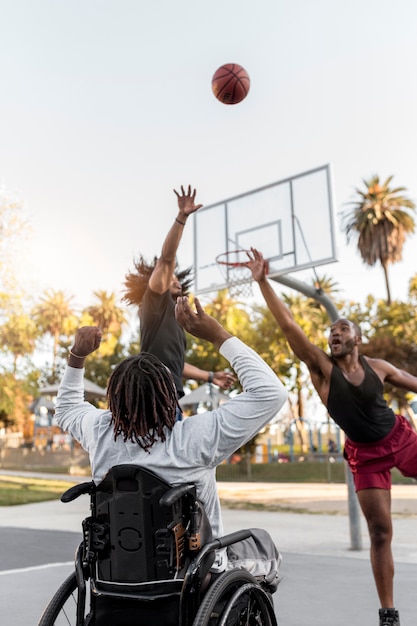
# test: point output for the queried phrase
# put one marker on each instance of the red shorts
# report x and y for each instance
(371, 463)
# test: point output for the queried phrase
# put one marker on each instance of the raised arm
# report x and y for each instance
(87, 340)
(161, 277)
(302, 347)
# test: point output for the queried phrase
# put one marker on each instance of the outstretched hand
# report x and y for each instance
(186, 201)
(257, 265)
(87, 340)
(198, 323)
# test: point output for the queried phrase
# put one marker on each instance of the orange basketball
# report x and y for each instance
(230, 83)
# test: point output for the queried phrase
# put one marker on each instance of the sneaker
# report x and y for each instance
(389, 617)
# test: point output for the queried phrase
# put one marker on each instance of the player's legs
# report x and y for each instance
(376, 507)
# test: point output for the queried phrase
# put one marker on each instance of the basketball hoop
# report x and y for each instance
(237, 275)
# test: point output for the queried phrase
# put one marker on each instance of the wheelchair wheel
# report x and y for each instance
(236, 599)
(62, 609)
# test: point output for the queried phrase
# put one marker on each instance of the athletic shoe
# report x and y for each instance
(389, 617)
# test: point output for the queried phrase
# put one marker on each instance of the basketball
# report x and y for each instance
(230, 83)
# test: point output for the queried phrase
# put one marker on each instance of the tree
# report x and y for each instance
(15, 396)
(17, 336)
(55, 315)
(379, 216)
(110, 318)
(106, 314)
(412, 288)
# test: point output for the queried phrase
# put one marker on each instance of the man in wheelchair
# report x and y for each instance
(151, 471)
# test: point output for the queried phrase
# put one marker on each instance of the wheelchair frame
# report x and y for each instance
(146, 555)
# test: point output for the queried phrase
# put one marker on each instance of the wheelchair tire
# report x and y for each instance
(236, 599)
(62, 608)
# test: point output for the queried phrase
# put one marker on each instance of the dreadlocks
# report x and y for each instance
(142, 399)
(136, 281)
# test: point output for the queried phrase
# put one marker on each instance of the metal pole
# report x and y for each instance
(323, 298)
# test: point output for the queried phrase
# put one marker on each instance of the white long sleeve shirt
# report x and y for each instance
(196, 445)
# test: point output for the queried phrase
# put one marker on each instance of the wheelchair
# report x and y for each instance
(145, 559)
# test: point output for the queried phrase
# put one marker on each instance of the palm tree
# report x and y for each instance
(106, 314)
(377, 217)
(54, 315)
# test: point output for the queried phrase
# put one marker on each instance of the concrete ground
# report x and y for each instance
(325, 582)
(331, 498)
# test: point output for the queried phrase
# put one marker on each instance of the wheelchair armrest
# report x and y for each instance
(77, 490)
(175, 493)
(216, 544)
(227, 540)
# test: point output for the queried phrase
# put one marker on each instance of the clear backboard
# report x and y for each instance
(290, 221)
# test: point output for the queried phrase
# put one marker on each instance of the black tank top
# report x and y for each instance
(360, 410)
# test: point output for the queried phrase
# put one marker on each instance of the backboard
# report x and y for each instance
(290, 221)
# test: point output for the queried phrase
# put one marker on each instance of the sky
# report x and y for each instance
(106, 107)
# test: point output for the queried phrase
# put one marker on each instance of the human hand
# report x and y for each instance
(257, 265)
(186, 202)
(198, 323)
(87, 340)
(224, 380)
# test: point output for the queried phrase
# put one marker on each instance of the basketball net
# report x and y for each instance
(237, 277)
(239, 283)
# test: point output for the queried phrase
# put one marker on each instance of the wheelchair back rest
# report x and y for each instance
(136, 539)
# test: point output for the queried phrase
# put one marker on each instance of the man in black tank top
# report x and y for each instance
(351, 387)
(154, 288)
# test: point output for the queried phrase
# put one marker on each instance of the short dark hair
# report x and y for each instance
(136, 281)
(142, 399)
(357, 328)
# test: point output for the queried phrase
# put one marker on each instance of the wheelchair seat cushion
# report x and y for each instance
(259, 556)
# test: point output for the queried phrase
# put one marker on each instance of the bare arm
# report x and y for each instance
(161, 277)
(299, 342)
(393, 375)
(224, 380)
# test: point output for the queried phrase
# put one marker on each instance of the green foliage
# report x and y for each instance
(15, 396)
(18, 336)
(98, 367)
(107, 315)
(49, 323)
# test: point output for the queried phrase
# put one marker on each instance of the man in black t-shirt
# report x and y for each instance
(155, 288)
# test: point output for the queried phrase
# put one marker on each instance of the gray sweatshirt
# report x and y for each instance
(196, 445)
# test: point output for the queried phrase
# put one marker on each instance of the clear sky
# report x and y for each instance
(106, 107)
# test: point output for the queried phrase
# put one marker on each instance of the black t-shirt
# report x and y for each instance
(360, 410)
(160, 333)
